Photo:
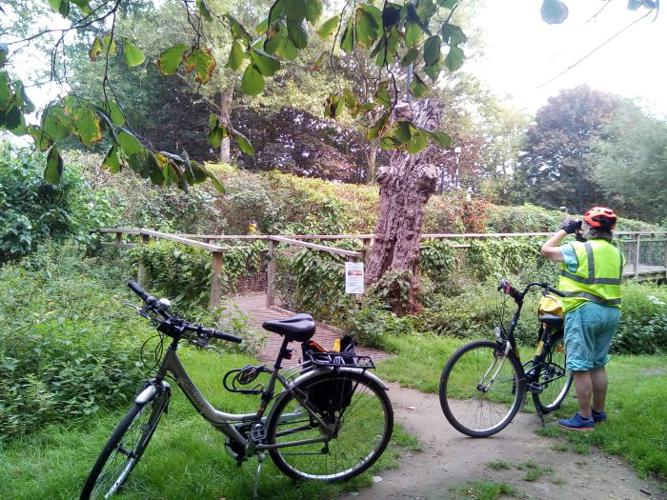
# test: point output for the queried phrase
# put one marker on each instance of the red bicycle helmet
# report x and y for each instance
(601, 217)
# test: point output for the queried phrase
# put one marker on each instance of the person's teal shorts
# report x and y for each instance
(588, 332)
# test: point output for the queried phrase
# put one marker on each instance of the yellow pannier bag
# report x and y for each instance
(550, 304)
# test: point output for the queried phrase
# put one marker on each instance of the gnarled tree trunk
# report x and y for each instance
(405, 187)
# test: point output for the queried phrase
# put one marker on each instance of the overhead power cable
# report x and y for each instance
(590, 53)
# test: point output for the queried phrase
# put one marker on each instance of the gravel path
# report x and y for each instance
(450, 459)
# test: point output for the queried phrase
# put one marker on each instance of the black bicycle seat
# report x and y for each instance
(298, 328)
(551, 320)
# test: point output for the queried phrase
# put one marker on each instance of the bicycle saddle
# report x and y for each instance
(298, 328)
(551, 320)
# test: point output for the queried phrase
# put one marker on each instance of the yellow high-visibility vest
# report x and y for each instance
(597, 278)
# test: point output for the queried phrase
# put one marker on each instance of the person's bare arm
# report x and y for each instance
(550, 248)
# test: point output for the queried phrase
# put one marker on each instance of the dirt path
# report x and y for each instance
(450, 459)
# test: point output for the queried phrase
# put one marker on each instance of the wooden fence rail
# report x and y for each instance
(634, 240)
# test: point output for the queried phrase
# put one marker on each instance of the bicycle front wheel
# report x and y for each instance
(124, 448)
(481, 388)
(357, 421)
(552, 376)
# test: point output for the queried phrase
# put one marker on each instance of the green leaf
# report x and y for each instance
(275, 38)
(410, 57)
(238, 31)
(244, 144)
(235, 56)
(41, 138)
(378, 127)
(267, 65)
(333, 106)
(413, 33)
(169, 60)
(328, 27)
(56, 123)
(83, 5)
(453, 35)
(60, 6)
(115, 113)
(447, 4)
(418, 140)
(108, 44)
(133, 54)
(112, 160)
(347, 40)
(216, 136)
(6, 96)
(434, 70)
(202, 62)
(391, 14)
(454, 59)
(22, 100)
(374, 12)
(276, 12)
(86, 125)
(204, 10)
(252, 82)
(313, 10)
(129, 144)
(432, 50)
(297, 34)
(54, 166)
(261, 28)
(295, 10)
(351, 101)
(382, 94)
(366, 28)
(95, 50)
(441, 138)
(417, 86)
(219, 187)
(288, 50)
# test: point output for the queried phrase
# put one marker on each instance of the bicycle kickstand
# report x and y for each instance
(260, 461)
(541, 415)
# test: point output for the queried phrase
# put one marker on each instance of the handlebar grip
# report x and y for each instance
(557, 292)
(212, 332)
(134, 286)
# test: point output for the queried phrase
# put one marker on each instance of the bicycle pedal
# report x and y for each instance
(258, 433)
(535, 387)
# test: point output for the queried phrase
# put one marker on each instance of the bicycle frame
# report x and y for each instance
(224, 421)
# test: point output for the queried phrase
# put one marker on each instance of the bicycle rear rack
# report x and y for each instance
(339, 359)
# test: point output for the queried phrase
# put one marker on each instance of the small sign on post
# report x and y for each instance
(354, 277)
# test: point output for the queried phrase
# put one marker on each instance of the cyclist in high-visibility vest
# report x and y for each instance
(591, 271)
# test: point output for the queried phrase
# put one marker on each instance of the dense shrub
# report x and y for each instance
(72, 348)
(643, 327)
(32, 211)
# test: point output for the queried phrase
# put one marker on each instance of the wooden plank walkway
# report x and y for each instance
(645, 273)
(254, 306)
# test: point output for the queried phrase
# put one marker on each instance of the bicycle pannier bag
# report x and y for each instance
(332, 395)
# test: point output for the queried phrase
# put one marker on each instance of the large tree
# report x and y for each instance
(630, 163)
(554, 170)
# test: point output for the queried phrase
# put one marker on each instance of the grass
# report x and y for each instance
(499, 465)
(533, 472)
(636, 401)
(186, 458)
(485, 490)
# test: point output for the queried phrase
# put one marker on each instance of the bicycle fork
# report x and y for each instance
(490, 376)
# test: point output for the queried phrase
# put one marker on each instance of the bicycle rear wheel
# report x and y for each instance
(481, 388)
(553, 376)
(360, 418)
(124, 448)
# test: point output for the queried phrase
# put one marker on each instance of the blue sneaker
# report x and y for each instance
(577, 423)
(599, 417)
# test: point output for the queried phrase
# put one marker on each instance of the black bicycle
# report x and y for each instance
(484, 383)
(331, 421)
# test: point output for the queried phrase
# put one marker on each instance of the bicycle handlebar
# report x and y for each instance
(153, 302)
(507, 288)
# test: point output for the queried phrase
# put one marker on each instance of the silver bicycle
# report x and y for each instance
(331, 421)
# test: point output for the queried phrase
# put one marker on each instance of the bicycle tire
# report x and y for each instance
(460, 383)
(552, 368)
(368, 414)
(130, 426)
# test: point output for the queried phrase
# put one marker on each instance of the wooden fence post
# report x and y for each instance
(271, 274)
(216, 280)
(141, 272)
(119, 239)
(636, 267)
(366, 248)
(665, 258)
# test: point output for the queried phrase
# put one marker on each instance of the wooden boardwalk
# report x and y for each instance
(254, 306)
(645, 273)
